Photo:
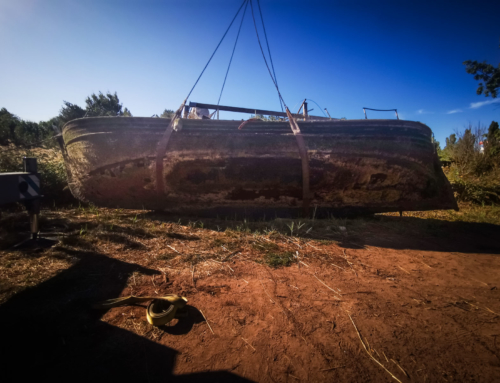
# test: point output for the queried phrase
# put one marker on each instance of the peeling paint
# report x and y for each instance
(376, 165)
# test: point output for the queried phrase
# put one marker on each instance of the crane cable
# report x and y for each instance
(218, 45)
(161, 148)
(232, 54)
(268, 49)
(306, 197)
(264, 56)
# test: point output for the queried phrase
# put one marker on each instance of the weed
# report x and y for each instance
(83, 231)
(279, 259)
(166, 256)
(265, 247)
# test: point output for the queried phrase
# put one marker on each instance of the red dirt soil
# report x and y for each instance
(426, 316)
(425, 311)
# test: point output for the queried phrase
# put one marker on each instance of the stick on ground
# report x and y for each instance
(266, 291)
(206, 321)
(248, 343)
(323, 283)
(370, 355)
(333, 368)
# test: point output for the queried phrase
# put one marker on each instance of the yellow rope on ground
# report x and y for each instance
(159, 312)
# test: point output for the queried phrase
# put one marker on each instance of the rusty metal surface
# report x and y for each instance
(355, 165)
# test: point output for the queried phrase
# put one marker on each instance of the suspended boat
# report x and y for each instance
(355, 166)
(262, 168)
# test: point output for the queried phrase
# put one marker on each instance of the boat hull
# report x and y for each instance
(355, 165)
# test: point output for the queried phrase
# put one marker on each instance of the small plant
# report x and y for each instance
(292, 226)
(83, 231)
(279, 259)
(265, 246)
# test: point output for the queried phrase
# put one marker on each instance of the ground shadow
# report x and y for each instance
(381, 231)
(50, 333)
(184, 324)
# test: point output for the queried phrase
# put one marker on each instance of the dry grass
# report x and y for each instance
(20, 271)
(173, 244)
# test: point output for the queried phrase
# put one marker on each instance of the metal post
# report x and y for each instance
(30, 165)
(34, 213)
(364, 111)
(304, 111)
(328, 113)
(396, 113)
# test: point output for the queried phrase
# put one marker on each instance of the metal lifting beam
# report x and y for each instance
(243, 110)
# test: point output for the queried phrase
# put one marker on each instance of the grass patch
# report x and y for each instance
(166, 256)
(265, 247)
(276, 260)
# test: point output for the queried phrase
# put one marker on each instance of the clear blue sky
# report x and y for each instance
(342, 54)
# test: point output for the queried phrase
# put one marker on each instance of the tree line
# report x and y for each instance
(14, 130)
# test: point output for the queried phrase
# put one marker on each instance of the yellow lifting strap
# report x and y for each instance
(159, 312)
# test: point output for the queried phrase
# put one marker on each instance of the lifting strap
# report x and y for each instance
(305, 162)
(159, 312)
(293, 123)
(162, 145)
(161, 149)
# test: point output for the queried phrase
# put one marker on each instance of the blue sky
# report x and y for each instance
(344, 55)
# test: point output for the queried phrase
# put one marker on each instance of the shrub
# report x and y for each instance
(279, 259)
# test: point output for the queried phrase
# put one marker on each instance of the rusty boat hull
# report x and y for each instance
(356, 166)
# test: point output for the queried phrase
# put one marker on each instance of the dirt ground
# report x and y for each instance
(379, 299)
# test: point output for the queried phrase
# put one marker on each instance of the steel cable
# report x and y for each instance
(234, 48)
(218, 45)
(268, 49)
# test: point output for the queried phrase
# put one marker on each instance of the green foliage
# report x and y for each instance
(69, 112)
(279, 259)
(266, 118)
(127, 113)
(462, 152)
(474, 175)
(104, 105)
(492, 145)
(8, 123)
(50, 166)
(167, 113)
(488, 74)
(478, 191)
(13, 130)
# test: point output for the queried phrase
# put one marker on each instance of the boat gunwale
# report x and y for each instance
(223, 125)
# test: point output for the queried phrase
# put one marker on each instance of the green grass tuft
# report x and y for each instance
(279, 259)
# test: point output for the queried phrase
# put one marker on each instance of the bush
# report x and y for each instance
(279, 259)
(476, 191)
(50, 166)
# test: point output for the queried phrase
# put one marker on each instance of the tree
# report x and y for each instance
(69, 112)
(446, 154)
(167, 113)
(487, 73)
(8, 123)
(126, 113)
(492, 147)
(104, 105)
(452, 140)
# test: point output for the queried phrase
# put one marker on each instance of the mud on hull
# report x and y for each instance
(355, 165)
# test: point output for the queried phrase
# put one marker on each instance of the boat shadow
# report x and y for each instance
(50, 332)
(427, 234)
